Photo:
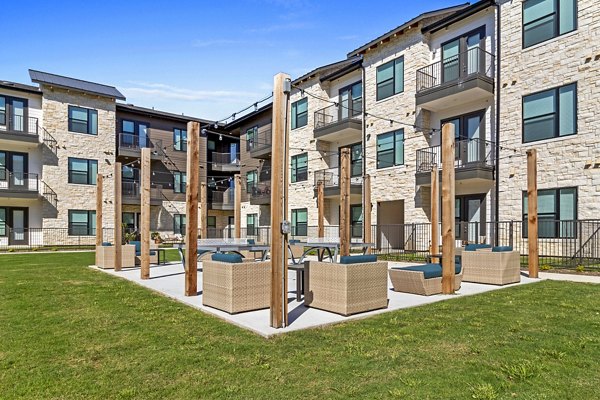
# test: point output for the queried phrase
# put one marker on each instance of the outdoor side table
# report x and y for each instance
(299, 268)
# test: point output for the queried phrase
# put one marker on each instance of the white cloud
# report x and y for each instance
(160, 90)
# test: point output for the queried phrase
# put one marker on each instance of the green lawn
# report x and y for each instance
(67, 331)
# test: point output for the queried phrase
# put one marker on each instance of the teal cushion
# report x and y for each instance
(107, 244)
(138, 246)
(364, 258)
(251, 241)
(473, 247)
(498, 249)
(227, 258)
(457, 267)
(429, 270)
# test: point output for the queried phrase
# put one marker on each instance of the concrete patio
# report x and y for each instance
(168, 280)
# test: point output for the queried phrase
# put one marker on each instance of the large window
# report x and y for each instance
(252, 139)
(250, 181)
(300, 167)
(390, 78)
(300, 113)
(179, 224)
(299, 222)
(390, 149)
(131, 221)
(356, 222)
(83, 171)
(557, 213)
(211, 222)
(3, 221)
(83, 120)
(546, 19)
(82, 223)
(550, 114)
(251, 224)
(2, 110)
(179, 181)
(180, 139)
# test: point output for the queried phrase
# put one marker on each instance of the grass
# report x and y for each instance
(71, 332)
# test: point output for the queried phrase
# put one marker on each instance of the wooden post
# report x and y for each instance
(237, 213)
(345, 202)
(532, 213)
(367, 210)
(118, 218)
(99, 230)
(145, 211)
(448, 236)
(191, 206)
(279, 183)
(203, 212)
(435, 212)
(321, 208)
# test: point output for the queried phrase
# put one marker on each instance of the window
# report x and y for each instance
(546, 19)
(390, 149)
(211, 222)
(2, 110)
(251, 224)
(252, 138)
(3, 174)
(250, 181)
(83, 120)
(211, 145)
(83, 171)
(179, 224)
(356, 220)
(300, 113)
(179, 181)
(180, 139)
(3, 221)
(557, 213)
(550, 114)
(390, 78)
(299, 222)
(82, 223)
(300, 167)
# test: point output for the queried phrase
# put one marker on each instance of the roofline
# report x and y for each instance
(121, 97)
(400, 29)
(158, 113)
(239, 121)
(341, 72)
(317, 70)
(458, 16)
(20, 87)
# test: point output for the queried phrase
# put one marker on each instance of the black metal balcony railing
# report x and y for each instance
(260, 190)
(20, 124)
(258, 141)
(468, 153)
(225, 160)
(132, 190)
(221, 197)
(338, 113)
(473, 62)
(331, 178)
(18, 181)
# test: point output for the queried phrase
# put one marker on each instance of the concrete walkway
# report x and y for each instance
(570, 277)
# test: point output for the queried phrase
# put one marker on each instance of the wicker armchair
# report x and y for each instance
(345, 288)
(415, 282)
(491, 267)
(236, 287)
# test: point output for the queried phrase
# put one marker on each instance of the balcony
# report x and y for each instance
(331, 182)
(221, 199)
(18, 185)
(20, 129)
(474, 162)
(258, 144)
(131, 145)
(336, 122)
(260, 193)
(226, 162)
(464, 78)
(131, 194)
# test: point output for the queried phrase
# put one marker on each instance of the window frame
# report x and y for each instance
(556, 91)
(294, 168)
(251, 138)
(89, 126)
(182, 224)
(295, 114)
(251, 184)
(558, 220)
(251, 228)
(182, 182)
(4, 222)
(91, 219)
(90, 178)
(294, 218)
(180, 140)
(377, 151)
(556, 22)
(3, 120)
(392, 79)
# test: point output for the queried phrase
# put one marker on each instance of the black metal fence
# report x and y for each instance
(49, 239)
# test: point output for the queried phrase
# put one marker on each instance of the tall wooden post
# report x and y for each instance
(203, 211)
(191, 209)
(448, 198)
(321, 209)
(279, 183)
(118, 218)
(532, 213)
(237, 213)
(435, 218)
(367, 210)
(99, 229)
(145, 211)
(345, 202)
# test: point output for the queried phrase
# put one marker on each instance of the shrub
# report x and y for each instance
(580, 268)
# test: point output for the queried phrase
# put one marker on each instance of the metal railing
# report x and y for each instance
(49, 239)
(18, 181)
(331, 178)
(337, 113)
(260, 190)
(49, 141)
(468, 153)
(20, 124)
(132, 190)
(221, 197)
(226, 160)
(49, 194)
(473, 62)
(259, 140)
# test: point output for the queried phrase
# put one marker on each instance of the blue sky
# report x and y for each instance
(201, 58)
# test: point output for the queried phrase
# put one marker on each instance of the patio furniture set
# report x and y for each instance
(131, 255)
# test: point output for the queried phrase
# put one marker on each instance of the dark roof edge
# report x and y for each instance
(164, 114)
(239, 121)
(317, 70)
(343, 71)
(458, 16)
(20, 87)
(120, 95)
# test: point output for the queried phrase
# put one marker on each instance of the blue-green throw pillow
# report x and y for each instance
(429, 270)
(499, 249)
(227, 258)
(360, 259)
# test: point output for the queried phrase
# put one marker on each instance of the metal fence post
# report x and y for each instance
(510, 233)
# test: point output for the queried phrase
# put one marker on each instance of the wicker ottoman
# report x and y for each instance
(492, 267)
(414, 282)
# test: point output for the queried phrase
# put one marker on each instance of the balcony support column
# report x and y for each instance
(99, 230)
(367, 210)
(448, 211)
(203, 211)
(237, 211)
(435, 201)
(321, 209)
(345, 202)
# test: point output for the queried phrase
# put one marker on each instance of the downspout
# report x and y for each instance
(497, 144)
